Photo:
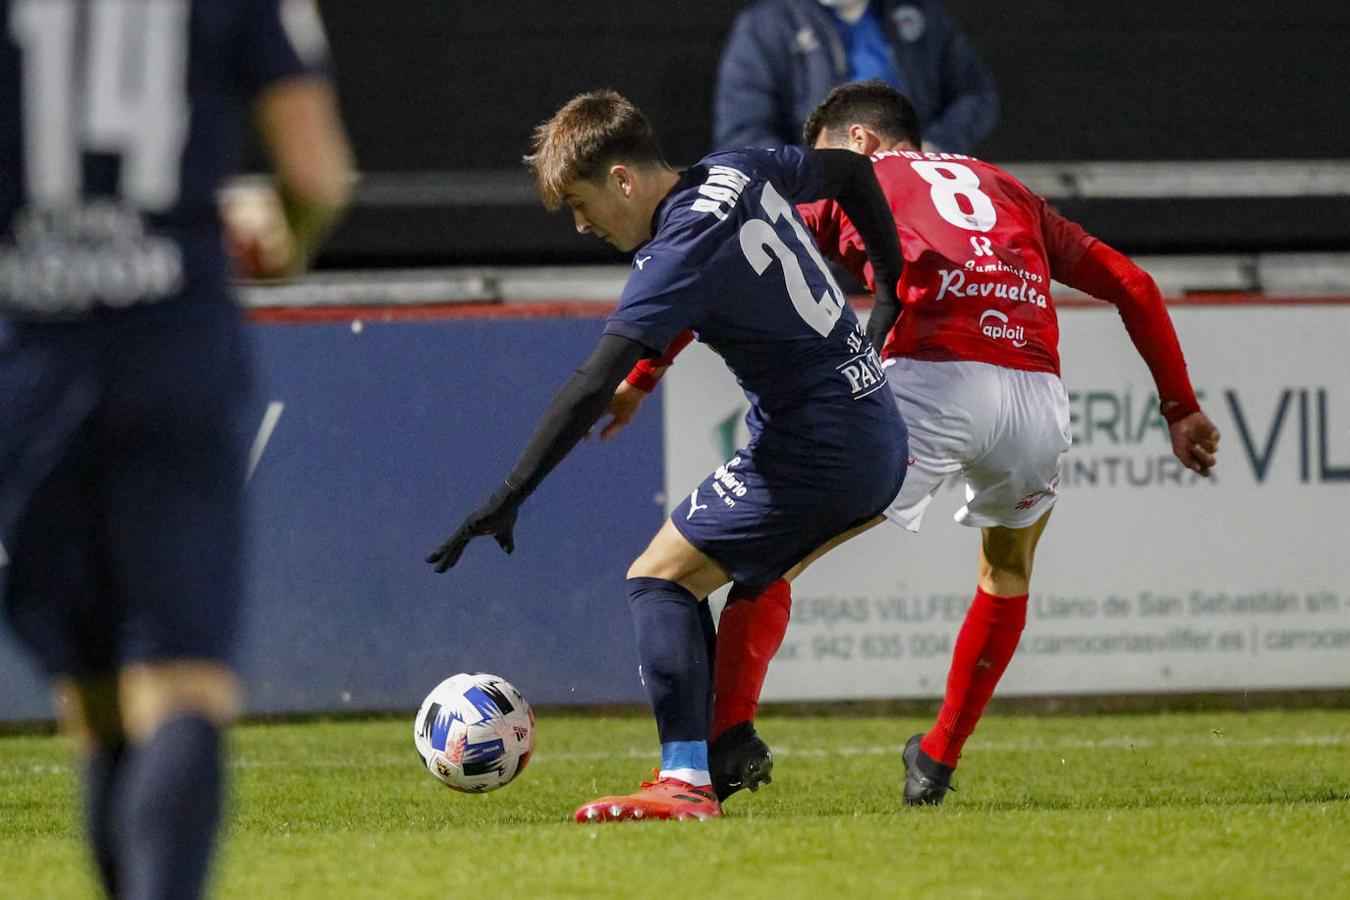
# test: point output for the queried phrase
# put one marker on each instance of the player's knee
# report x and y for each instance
(672, 557)
(1000, 583)
(1018, 567)
(89, 712)
(156, 692)
(1006, 574)
(645, 566)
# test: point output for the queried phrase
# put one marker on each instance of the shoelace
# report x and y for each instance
(656, 774)
(929, 780)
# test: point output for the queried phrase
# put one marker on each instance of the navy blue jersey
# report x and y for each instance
(118, 121)
(731, 259)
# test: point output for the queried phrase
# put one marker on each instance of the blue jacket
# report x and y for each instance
(784, 56)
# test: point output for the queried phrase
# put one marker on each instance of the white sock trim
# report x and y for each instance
(696, 777)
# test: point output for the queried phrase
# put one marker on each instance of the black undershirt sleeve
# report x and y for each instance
(850, 180)
(577, 407)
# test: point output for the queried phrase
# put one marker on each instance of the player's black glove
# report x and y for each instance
(885, 311)
(496, 517)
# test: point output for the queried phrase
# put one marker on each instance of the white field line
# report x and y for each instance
(1328, 740)
(1024, 746)
(542, 756)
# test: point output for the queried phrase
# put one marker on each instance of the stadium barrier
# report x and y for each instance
(374, 438)
(1149, 578)
(378, 428)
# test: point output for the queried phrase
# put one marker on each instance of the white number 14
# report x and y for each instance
(133, 101)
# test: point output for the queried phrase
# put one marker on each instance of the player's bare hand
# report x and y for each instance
(256, 233)
(1195, 441)
(496, 518)
(622, 407)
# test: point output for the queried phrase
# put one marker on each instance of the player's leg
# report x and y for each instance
(754, 623)
(111, 719)
(749, 527)
(174, 450)
(171, 787)
(984, 647)
(668, 585)
(54, 599)
(750, 631)
(90, 716)
(1011, 490)
(671, 557)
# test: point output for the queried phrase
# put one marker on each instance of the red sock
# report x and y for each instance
(748, 635)
(984, 647)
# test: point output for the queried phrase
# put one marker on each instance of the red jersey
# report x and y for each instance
(980, 251)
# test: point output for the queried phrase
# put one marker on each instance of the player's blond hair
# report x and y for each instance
(592, 132)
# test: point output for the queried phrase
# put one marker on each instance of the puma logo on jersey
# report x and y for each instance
(721, 191)
(640, 261)
(694, 505)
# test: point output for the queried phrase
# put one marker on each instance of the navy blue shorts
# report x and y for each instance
(122, 454)
(758, 519)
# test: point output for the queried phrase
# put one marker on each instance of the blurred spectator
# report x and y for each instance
(784, 56)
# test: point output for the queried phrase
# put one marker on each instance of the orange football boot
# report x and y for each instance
(664, 798)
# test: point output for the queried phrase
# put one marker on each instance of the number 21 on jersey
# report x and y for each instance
(762, 244)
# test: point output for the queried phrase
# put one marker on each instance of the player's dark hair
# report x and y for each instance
(592, 132)
(874, 104)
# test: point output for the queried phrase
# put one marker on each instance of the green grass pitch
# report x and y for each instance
(1222, 804)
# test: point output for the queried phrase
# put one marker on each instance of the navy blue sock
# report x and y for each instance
(705, 619)
(676, 665)
(101, 773)
(168, 808)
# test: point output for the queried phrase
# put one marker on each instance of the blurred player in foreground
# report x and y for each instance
(973, 363)
(720, 250)
(123, 377)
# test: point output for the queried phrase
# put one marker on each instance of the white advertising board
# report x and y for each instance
(1148, 578)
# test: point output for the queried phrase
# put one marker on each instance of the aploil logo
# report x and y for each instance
(994, 324)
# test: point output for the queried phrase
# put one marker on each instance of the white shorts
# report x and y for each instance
(1003, 429)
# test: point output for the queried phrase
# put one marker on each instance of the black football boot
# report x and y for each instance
(927, 781)
(739, 759)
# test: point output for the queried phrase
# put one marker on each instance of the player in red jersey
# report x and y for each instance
(974, 366)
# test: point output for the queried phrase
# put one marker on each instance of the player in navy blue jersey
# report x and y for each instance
(123, 373)
(719, 249)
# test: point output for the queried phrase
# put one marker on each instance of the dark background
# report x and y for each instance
(435, 85)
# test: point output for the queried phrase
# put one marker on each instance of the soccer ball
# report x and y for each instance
(474, 732)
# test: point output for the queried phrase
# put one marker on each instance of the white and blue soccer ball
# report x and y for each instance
(474, 732)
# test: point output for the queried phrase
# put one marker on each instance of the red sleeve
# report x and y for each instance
(837, 239)
(823, 223)
(644, 376)
(1085, 263)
